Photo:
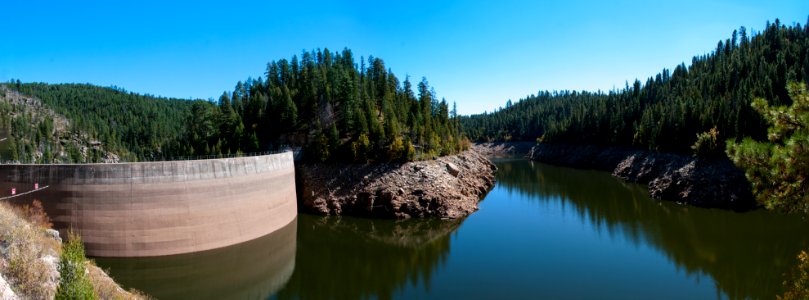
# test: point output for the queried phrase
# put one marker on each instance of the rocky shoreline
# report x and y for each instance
(500, 149)
(699, 182)
(446, 187)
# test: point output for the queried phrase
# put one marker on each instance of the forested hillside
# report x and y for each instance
(31, 132)
(326, 103)
(137, 127)
(333, 107)
(667, 111)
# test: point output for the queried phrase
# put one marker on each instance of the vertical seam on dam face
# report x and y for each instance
(163, 208)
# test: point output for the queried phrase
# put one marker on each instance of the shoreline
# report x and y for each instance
(501, 149)
(711, 183)
(446, 187)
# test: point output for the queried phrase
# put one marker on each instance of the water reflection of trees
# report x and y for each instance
(350, 258)
(251, 270)
(745, 253)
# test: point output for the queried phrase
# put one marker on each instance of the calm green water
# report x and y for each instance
(543, 232)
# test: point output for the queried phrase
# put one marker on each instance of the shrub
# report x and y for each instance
(706, 145)
(35, 214)
(465, 144)
(409, 150)
(361, 148)
(74, 283)
(797, 285)
(320, 149)
(396, 149)
(26, 271)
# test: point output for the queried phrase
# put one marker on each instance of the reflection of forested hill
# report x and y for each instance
(746, 253)
(348, 258)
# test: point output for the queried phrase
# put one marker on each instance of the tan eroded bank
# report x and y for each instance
(162, 208)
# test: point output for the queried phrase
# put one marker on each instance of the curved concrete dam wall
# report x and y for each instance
(162, 208)
(255, 269)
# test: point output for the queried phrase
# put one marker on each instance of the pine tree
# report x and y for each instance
(778, 169)
(361, 105)
(13, 148)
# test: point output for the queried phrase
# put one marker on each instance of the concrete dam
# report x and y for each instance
(161, 208)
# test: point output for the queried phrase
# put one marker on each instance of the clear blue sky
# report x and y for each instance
(477, 53)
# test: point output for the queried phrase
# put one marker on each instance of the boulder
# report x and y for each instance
(453, 169)
(5, 290)
(54, 234)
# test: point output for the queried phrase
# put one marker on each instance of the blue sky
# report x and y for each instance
(476, 53)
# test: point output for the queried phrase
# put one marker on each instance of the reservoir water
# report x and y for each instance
(543, 232)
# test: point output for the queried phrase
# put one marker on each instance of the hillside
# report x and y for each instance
(665, 113)
(326, 103)
(136, 127)
(32, 132)
(335, 108)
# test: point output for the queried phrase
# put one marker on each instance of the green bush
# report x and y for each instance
(409, 150)
(74, 282)
(396, 149)
(361, 148)
(706, 145)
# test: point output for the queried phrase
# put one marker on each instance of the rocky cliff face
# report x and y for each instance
(705, 183)
(447, 187)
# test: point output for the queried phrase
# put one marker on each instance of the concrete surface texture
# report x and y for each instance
(162, 208)
(252, 270)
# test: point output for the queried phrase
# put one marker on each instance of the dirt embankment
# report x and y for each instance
(447, 187)
(706, 183)
(29, 258)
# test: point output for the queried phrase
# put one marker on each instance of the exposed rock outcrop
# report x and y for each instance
(504, 148)
(447, 187)
(699, 182)
(6, 293)
(54, 234)
(62, 136)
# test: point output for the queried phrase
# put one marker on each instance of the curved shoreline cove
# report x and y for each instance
(700, 182)
(542, 232)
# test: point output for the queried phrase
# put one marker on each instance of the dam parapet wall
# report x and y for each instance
(144, 172)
